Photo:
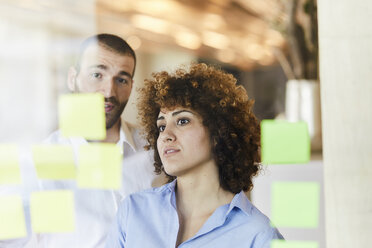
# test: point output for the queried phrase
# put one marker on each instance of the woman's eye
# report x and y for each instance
(161, 128)
(182, 122)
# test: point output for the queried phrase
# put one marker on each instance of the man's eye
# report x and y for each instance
(161, 128)
(182, 122)
(122, 80)
(96, 75)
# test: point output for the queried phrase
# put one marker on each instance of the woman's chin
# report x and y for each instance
(170, 172)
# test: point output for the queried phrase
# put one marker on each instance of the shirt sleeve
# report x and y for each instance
(117, 233)
(263, 239)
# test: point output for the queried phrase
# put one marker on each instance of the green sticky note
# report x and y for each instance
(10, 172)
(52, 211)
(54, 161)
(12, 219)
(295, 204)
(99, 166)
(82, 115)
(293, 244)
(284, 142)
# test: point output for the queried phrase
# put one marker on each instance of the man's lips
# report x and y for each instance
(108, 107)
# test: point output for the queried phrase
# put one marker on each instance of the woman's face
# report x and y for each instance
(183, 142)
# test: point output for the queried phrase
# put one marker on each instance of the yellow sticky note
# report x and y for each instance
(10, 172)
(284, 142)
(293, 244)
(295, 204)
(54, 161)
(52, 211)
(99, 166)
(82, 115)
(12, 218)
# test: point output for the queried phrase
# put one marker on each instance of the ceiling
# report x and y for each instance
(236, 32)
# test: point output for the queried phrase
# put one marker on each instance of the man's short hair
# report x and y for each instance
(109, 41)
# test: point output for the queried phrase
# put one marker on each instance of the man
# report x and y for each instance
(106, 65)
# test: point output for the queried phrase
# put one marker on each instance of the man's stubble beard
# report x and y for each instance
(113, 117)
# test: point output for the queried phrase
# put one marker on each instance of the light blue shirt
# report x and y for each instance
(149, 219)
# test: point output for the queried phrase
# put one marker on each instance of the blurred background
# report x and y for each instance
(270, 46)
(248, 38)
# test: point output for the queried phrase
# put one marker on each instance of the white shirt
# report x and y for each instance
(96, 209)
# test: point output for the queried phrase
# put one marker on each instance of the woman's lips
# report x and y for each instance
(170, 151)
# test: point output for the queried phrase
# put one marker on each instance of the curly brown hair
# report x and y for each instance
(226, 112)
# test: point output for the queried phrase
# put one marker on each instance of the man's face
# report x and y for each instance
(106, 72)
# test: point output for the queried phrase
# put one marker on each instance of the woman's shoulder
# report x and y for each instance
(152, 193)
(251, 212)
(254, 219)
(144, 204)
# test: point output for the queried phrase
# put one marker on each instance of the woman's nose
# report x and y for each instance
(168, 135)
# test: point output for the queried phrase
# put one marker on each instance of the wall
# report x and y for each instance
(345, 38)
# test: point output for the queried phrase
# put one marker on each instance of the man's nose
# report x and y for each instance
(107, 88)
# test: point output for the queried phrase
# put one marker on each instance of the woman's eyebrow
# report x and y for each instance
(183, 110)
(175, 113)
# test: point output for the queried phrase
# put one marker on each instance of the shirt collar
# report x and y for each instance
(126, 135)
(77, 141)
(172, 185)
(221, 214)
(240, 200)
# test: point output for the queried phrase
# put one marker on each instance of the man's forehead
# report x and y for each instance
(92, 48)
(95, 50)
(95, 53)
(91, 54)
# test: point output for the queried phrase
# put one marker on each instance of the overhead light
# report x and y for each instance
(134, 42)
(274, 38)
(215, 40)
(157, 7)
(152, 24)
(256, 26)
(254, 51)
(226, 56)
(120, 6)
(221, 2)
(267, 58)
(187, 39)
(249, 39)
(213, 21)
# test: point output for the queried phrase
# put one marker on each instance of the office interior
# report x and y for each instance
(248, 38)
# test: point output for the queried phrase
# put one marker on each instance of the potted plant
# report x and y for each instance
(300, 29)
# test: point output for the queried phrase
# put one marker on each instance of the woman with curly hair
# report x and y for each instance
(207, 140)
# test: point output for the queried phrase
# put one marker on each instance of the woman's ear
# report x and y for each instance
(71, 79)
